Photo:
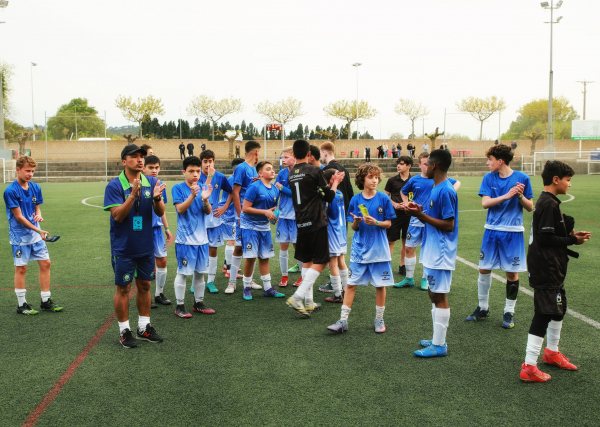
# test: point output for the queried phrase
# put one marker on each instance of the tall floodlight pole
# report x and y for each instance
(3, 4)
(180, 123)
(356, 65)
(33, 64)
(585, 83)
(551, 6)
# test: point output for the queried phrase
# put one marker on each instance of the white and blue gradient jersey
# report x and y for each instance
(508, 215)
(16, 197)
(191, 226)
(229, 215)
(286, 204)
(336, 218)
(370, 243)
(262, 197)
(242, 175)
(157, 220)
(439, 247)
(219, 182)
(418, 190)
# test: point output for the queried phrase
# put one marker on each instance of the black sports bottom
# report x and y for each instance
(550, 301)
(313, 247)
(399, 228)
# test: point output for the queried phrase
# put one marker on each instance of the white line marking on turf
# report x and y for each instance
(84, 201)
(571, 197)
(530, 293)
(474, 210)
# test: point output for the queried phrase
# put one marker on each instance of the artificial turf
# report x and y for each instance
(258, 363)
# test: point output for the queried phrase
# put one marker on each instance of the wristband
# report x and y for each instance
(376, 222)
(166, 228)
(210, 176)
(520, 197)
(158, 199)
(40, 231)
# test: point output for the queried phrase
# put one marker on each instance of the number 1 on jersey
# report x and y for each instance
(297, 193)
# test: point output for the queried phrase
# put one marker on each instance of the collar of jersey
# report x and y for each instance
(125, 182)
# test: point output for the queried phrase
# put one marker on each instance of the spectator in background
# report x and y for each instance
(237, 151)
(380, 152)
(513, 145)
(367, 154)
(399, 148)
(385, 150)
(203, 146)
(394, 151)
(190, 148)
(148, 149)
(181, 150)
(411, 150)
(425, 148)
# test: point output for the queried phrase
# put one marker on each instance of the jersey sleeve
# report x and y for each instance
(178, 196)
(38, 194)
(238, 175)
(408, 187)
(388, 208)
(448, 202)
(484, 189)
(546, 221)
(527, 191)
(452, 180)
(352, 208)
(11, 199)
(278, 179)
(225, 185)
(251, 193)
(113, 195)
(164, 195)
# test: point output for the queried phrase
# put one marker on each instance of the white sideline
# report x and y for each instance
(530, 293)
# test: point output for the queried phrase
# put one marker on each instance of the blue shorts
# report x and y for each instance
(257, 244)
(238, 233)
(127, 268)
(286, 232)
(414, 237)
(228, 231)
(439, 280)
(191, 258)
(379, 273)
(504, 250)
(160, 245)
(215, 237)
(35, 252)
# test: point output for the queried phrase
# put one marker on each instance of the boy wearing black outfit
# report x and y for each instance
(551, 233)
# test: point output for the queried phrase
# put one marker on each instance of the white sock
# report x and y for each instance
(442, 319)
(142, 322)
(212, 268)
(336, 284)
(247, 282)
(534, 346)
(344, 278)
(266, 279)
(199, 286)
(45, 296)
(283, 262)
(124, 325)
(553, 335)
(345, 312)
(21, 296)
(235, 267)
(410, 264)
(379, 312)
(303, 272)
(300, 264)
(180, 288)
(228, 254)
(484, 283)
(433, 316)
(309, 278)
(510, 306)
(309, 297)
(161, 279)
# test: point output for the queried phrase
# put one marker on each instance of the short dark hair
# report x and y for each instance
(315, 152)
(500, 152)
(191, 161)
(363, 171)
(329, 174)
(557, 168)
(251, 145)
(407, 160)
(261, 165)
(145, 147)
(441, 158)
(207, 154)
(236, 162)
(300, 148)
(151, 160)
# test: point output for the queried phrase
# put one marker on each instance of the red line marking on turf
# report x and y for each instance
(62, 287)
(35, 415)
(587, 222)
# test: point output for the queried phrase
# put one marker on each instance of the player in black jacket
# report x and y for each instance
(309, 191)
(547, 258)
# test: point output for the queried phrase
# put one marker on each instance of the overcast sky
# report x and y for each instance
(431, 51)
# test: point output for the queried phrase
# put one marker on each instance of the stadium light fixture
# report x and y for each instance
(3, 3)
(545, 4)
(559, 4)
(558, 19)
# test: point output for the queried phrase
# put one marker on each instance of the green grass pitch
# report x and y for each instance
(258, 363)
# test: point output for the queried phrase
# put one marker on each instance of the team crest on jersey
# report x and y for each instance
(275, 199)
(296, 170)
(278, 233)
(216, 186)
(249, 246)
(33, 199)
(184, 262)
(233, 230)
(127, 278)
(380, 210)
(558, 299)
(408, 236)
(18, 253)
(431, 204)
(481, 255)
(349, 272)
(147, 194)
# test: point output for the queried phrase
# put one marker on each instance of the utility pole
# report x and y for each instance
(585, 83)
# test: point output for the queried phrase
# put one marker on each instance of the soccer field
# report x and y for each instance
(258, 363)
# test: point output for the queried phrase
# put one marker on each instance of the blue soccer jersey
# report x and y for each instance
(16, 197)
(508, 215)
(286, 205)
(229, 214)
(418, 190)
(219, 182)
(370, 243)
(242, 176)
(439, 247)
(124, 240)
(191, 226)
(336, 227)
(157, 220)
(261, 197)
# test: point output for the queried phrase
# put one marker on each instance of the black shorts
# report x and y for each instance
(398, 229)
(550, 301)
(313, 247)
